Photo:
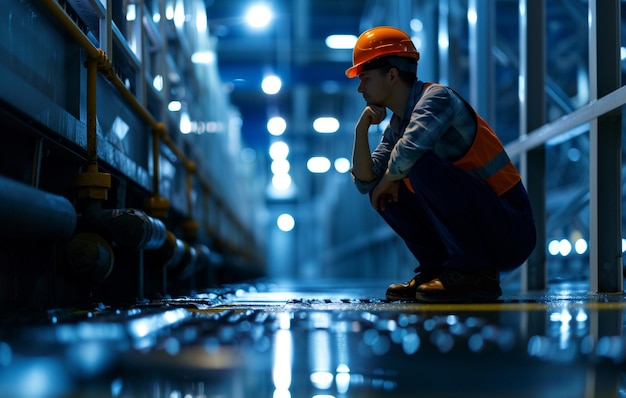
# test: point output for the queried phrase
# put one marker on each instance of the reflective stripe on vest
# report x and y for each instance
(486, 158)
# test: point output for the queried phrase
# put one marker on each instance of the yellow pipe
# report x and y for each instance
(156, 156)
(189, 188)
(134, 102)
(92, 151)
(92, 184)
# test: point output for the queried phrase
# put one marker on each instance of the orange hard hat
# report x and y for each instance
(380, 42)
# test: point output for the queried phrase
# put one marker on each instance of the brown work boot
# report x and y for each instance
(461, 286)
(407, 290)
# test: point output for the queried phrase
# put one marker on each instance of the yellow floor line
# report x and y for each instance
(413, 307)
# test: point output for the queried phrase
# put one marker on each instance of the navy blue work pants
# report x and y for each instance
(455, 220)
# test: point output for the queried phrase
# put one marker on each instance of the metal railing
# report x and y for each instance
(602, 113)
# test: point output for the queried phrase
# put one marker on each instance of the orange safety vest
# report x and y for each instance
(486, 158)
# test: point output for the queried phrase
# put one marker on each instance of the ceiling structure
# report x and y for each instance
(292, 47)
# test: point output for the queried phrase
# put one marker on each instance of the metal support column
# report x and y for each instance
(480, 16)
(443, 41)
(605, 206)
(532, 116)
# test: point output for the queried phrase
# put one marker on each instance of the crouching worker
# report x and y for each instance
(439, 177)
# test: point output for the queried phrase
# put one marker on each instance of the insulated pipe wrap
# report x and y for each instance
(27, 212)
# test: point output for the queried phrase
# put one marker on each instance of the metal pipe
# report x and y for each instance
(157, 131)
(605, 153)
(168, 255)
(27, 212)
(92, 80)
(128, 228)
(186, 267)
(86, 258)
(189, 189)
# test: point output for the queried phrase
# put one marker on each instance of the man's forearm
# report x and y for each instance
(361, 156)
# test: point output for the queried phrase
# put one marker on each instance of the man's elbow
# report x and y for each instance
(364, 186)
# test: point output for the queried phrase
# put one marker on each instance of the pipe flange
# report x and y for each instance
(159, 129)
(93, 185)
(190, 228)
(157, 207)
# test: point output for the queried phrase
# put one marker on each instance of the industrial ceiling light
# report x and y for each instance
(318, 164)
(280, 166)
(342, 165)
(185, 123)
(276, 125)
(279, 150)
(341, 42)
(259, 16)
(285, 222)
(281, 182)
(131, 12)
(326, 125)
(271, 84)
(174, 106)
(203, 57)
(157, 82)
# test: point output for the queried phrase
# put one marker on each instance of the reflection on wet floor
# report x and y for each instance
(319, 340)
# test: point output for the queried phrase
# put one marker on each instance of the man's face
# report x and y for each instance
(373, 85)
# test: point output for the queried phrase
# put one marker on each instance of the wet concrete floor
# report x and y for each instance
(329, 338)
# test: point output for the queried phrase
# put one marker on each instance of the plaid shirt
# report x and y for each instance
(434, 120)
